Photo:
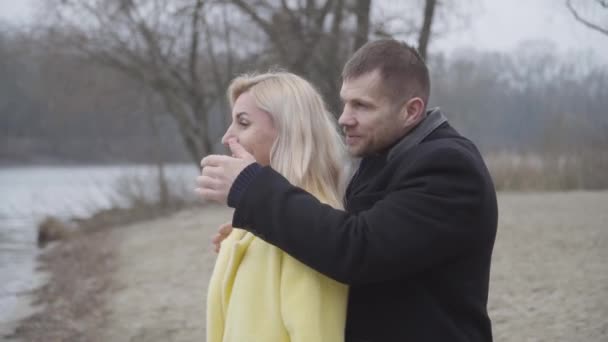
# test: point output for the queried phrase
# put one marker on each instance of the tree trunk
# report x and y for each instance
(425, 32)
(362, 12)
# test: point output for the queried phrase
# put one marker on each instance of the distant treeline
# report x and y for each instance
(56, 107)
(59, 108)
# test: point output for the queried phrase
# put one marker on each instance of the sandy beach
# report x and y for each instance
(147, 281)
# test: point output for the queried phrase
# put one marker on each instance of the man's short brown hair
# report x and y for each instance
(403, 71)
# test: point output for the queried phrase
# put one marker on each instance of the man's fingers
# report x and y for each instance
(214, 160)
(222, 233)
(225, 229)
(217, 241)
(217, 238)
(206, 182)
(209, 194)
(212, 171)
(210, 160)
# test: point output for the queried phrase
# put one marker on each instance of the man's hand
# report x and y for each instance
(219, 172)
(222, 234)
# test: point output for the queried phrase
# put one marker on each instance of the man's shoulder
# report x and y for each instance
(445, 136)
(442, 160)
(444, 142)
(448, 146)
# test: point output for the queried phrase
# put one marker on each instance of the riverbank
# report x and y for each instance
(147, 281)
(73, 299)
(95, 192)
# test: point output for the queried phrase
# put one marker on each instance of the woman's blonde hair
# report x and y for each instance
(308, 150)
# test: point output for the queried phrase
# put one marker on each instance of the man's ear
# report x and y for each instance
(414, 111)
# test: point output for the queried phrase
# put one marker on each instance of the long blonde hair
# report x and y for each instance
(308, 150)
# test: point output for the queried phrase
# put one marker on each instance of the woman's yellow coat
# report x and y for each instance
(259, 293)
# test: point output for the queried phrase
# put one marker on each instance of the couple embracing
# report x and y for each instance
(400, 252)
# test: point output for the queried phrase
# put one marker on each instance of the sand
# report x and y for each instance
(550, 268)
(160, 288)
(549, 277)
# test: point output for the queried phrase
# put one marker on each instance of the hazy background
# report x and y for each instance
(109, 81)
(107, 107)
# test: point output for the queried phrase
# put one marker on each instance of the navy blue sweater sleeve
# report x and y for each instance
(241, 183)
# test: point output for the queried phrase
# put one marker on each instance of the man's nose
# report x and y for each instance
(346, 119)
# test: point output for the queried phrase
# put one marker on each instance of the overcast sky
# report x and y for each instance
(496, 25)
(502, 24)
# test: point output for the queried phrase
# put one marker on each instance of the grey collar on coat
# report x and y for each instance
(434, 118)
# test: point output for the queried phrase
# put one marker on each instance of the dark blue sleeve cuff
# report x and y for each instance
(241, 183)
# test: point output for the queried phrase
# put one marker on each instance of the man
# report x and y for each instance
(416, 239)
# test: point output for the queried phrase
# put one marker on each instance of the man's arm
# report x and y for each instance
(430, 217)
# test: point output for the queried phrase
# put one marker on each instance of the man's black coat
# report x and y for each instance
(414, 243)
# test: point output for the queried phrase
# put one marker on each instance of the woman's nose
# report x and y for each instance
(227, 136)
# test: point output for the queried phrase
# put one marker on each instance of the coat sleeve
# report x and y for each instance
(430, 216)
(313, 306)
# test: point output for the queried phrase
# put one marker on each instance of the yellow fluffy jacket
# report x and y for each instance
(259, 293)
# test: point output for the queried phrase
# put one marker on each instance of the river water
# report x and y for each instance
(28, 194)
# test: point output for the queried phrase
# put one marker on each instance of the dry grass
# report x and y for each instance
(139, 198)
(537, 173)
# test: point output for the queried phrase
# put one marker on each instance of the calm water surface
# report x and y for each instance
(28, 194)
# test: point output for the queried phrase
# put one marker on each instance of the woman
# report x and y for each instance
(257, 292)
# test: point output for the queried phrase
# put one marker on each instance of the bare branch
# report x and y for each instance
(228, 40)
(584, 21)
(195, 84)
(263, 24)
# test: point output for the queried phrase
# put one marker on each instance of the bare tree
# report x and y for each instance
(603, 5)
(179, 49)
(315, 38)
(184, 50)
(293, 31)
(421, 21)
(308, 37)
